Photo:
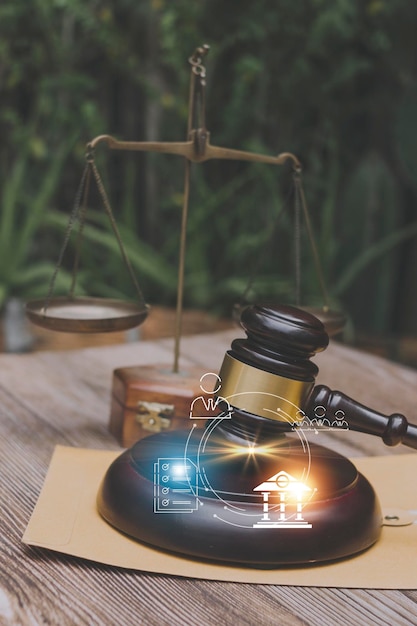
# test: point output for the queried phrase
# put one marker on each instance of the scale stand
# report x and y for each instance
(149, 399)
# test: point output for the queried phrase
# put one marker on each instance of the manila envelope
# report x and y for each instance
(65, 520)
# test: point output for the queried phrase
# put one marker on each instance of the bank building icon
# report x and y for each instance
(292, 493)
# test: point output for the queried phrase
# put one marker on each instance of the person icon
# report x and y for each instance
(210, 405)
(340, 421)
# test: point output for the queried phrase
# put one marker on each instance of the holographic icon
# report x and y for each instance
(175, 486)
(182, 483)
(203, 408)
(323, 421)
(291, 493)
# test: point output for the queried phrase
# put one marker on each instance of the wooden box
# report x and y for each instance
(148, 399)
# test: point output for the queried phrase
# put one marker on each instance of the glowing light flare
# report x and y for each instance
(299, 490)
(180, 470)
(252, 449)
(250, 454)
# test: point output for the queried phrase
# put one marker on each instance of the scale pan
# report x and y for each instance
(86, 315)
(333, 321)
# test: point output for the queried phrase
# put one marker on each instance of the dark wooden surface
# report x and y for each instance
(50, 398)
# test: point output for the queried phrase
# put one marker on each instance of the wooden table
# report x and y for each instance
(50, 398)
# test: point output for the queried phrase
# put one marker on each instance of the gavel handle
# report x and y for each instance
(393, 429)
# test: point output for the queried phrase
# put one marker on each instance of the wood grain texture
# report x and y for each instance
(63, 398)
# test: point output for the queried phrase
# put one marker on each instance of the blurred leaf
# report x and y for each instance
(406, 128)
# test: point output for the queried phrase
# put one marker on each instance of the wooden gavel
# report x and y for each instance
(259, 497)
(273, 360)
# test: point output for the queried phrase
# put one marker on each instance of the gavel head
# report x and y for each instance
(269, 374)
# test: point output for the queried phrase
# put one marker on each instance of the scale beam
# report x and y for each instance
(197, 150)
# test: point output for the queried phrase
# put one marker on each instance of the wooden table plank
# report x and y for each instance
(63, 398)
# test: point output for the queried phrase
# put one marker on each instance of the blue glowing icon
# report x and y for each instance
(175, 485)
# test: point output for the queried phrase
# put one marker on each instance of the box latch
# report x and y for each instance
(154, 416)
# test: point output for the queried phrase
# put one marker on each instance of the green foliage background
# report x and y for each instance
(333, 81)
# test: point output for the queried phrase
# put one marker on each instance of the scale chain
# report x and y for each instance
(112, 220)
(81, 198)
(300, 199)
(82, 217)
(70, 225)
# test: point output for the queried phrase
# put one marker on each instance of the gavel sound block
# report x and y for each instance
(250, 489)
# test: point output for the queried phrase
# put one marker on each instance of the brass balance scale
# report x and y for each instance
(96, 315)
(257, 447)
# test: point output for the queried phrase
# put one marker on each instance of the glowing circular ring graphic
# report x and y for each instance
(210, 428)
